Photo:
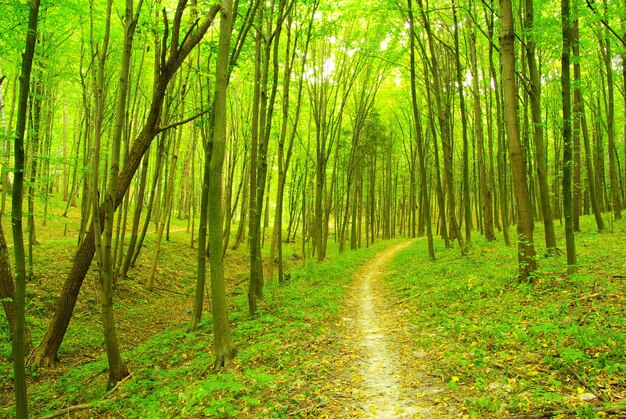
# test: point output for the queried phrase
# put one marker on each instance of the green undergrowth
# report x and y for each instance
(281, 362)
(501, 347)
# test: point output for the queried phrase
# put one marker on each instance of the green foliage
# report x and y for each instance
(281, 353)
(512, 347)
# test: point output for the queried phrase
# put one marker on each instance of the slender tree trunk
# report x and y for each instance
(568, 203)
(34, 157)
(46, 353)
(579, 115)
(196, 315)
(610, 123)
(224, 349)
(485, 186)
(419, 134)
(501, 153)
(540, 157)
(6, 144)
(136, 216)
(526, 248)
(19, 341)
(152, 201)
(444, 125)
(443, 230)
(168, 197)
(467, 209)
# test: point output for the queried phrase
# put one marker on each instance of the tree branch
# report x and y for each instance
(605, 23)
(183, 122)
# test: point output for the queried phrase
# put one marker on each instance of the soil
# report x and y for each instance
(380, 371)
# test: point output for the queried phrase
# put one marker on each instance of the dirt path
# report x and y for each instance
(380, 373)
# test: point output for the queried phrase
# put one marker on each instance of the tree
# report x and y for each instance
(568, 161)
(284, 159)
(224, 349)
(444, 132)
(267, 45)
(467, 211)
(170, 61)
(579, 115)
(535, 105)
(525, 245)
(19, 344)
(485, 186)
(104, 236)
(605, 51)
(418, 135)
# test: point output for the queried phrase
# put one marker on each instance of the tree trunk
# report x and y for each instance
(224, 349)
(485, 186)
(579, 115)
(525, 245)
(19, 341)
(46, 353)
(610, 124)
(168, 196)
(136, 216)
(568, 203)
(418, 136)
(158, 168)
(444, 130)
(467, 209)
(34, 157)
(540, 157)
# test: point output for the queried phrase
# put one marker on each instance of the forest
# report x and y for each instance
(282, 208)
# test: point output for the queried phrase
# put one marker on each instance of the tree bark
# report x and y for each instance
(419, 134)
(485, 186)
(46, 352)
(568, 203)
(444, 131)
(19, 341)
(224, 349)
(579, 115)
(605, 50)
(525, 245)
(540, 157)
(467, 209)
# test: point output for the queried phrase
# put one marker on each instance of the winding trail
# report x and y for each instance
(380, 372)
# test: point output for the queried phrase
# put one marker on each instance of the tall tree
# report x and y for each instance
(418, 134)
(168, 63)
(525, 245)
(105, 255)
(444, 131)
(224, 349)
(485, 186)
(535, 106)
(568, 161)
(265, 95)
(605, 51)
(579, 115)
(467, 210)
(19, 344)
(284, 158)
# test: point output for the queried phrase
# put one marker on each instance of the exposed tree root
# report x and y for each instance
(222, 360)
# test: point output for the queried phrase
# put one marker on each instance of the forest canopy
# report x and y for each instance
(282, 131)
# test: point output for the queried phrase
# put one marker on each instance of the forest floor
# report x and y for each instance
(377, 332)
(381, 372)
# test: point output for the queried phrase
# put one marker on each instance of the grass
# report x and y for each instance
(501, 347)
(283, 352)
(498, 347)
